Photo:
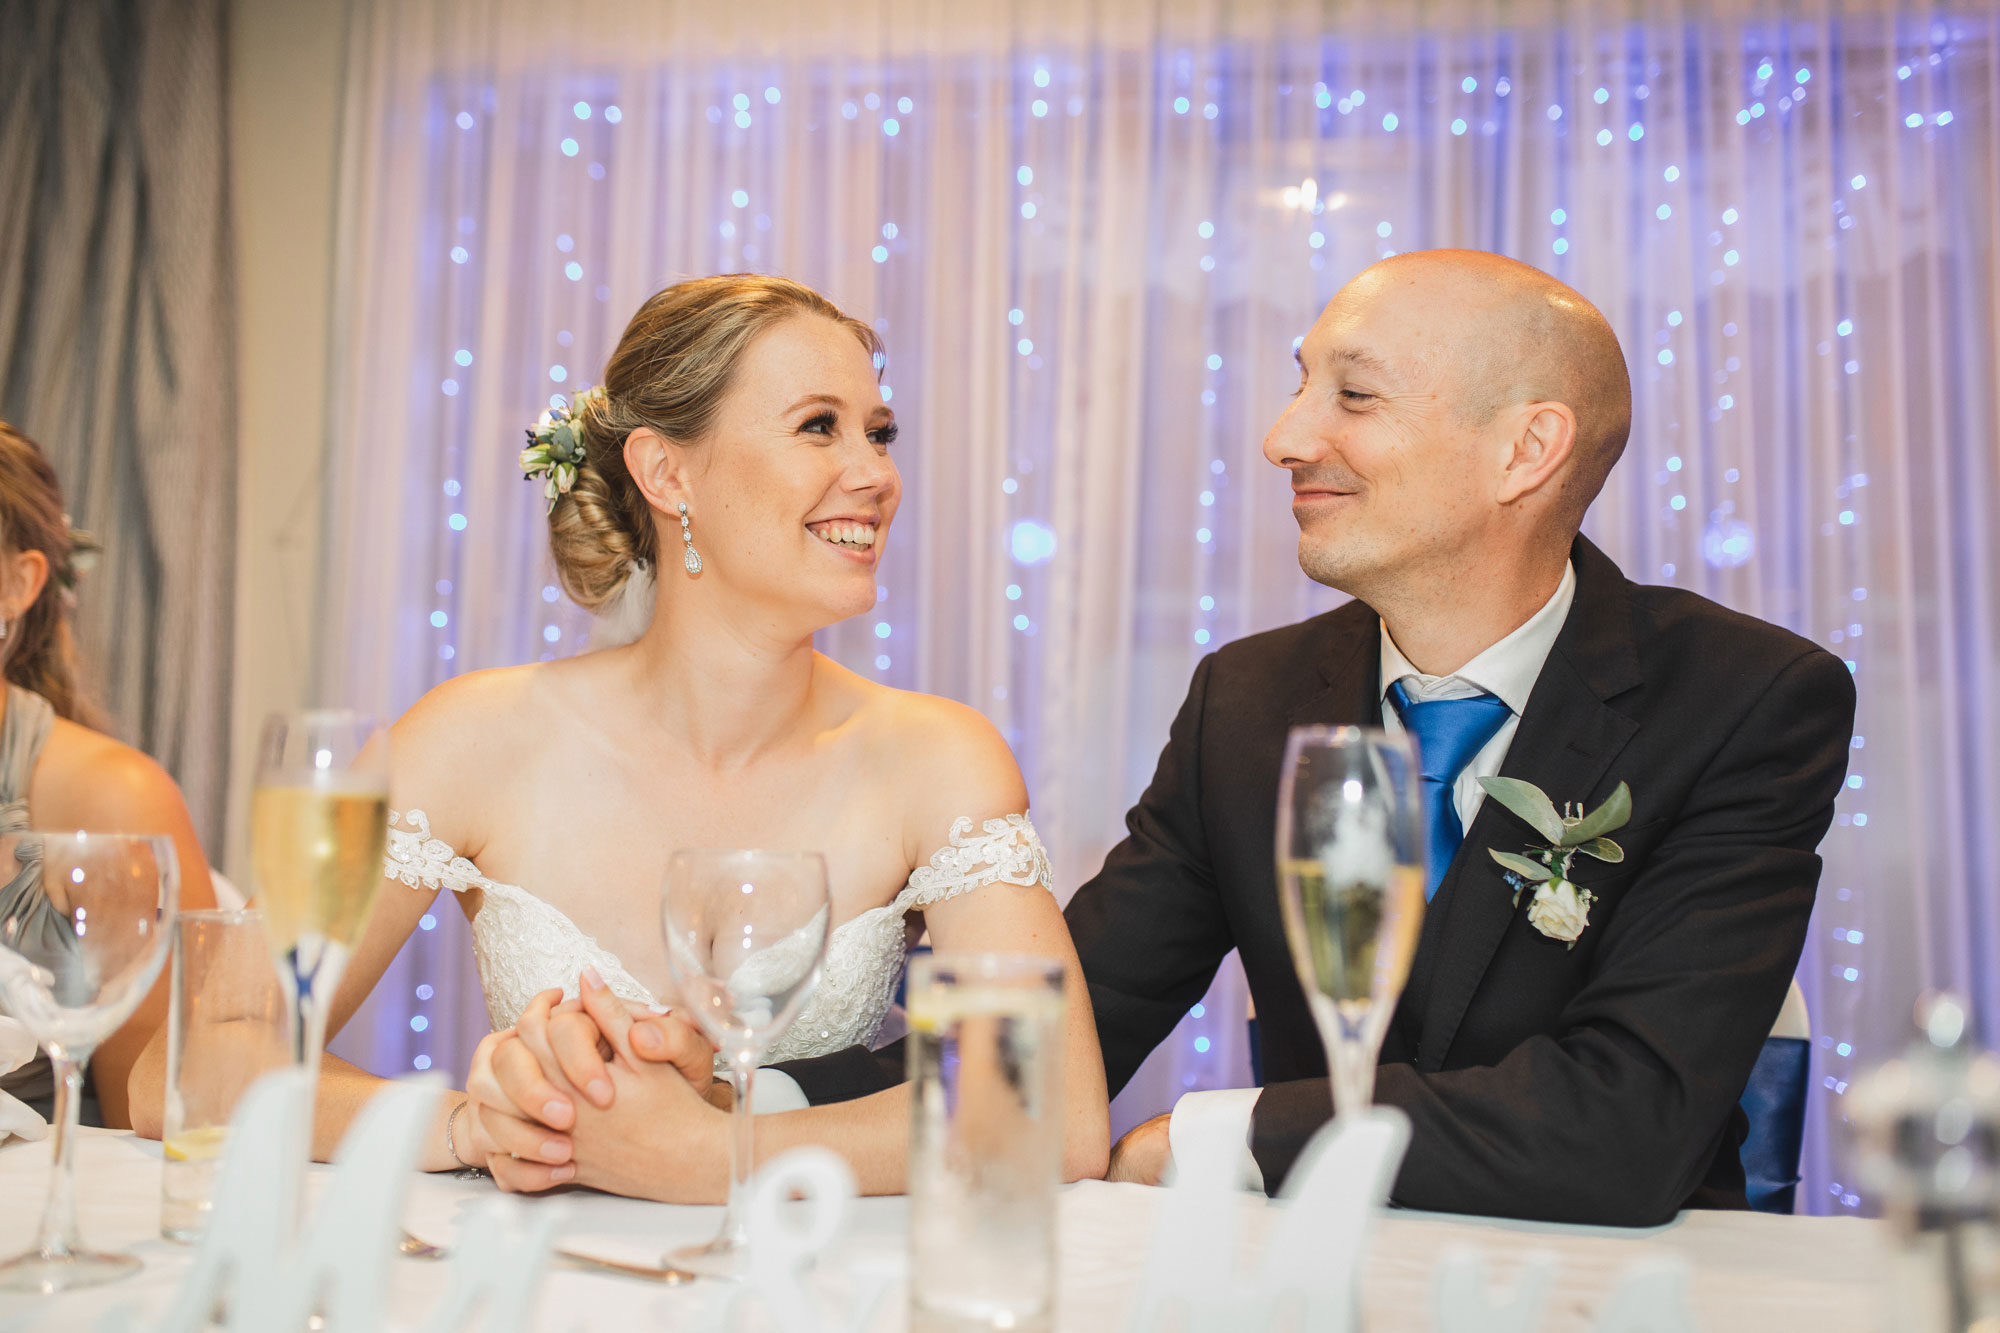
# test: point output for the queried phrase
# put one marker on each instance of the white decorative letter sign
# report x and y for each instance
(263, 1269)
(1312, 1253)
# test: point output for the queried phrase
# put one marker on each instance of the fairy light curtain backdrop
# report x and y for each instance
(1090, 236)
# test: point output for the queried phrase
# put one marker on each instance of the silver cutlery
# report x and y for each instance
(413, 1248)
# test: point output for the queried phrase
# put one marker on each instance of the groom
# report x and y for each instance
(1458, 413)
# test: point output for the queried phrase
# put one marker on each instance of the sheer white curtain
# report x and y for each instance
(1090, 235)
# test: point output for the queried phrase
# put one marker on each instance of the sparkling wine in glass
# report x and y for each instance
(72, 974)
(1350, 888)
(319, 822)
(746, 937)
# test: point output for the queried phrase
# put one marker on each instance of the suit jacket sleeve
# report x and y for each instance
(1149, 929)
(1614, 1116)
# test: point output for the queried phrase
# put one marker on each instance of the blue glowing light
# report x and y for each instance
(882, 630)
(456, 522)
(1458, 126)
(1032, 542)
(569, 148)
(1728, 543)
(418, 1023)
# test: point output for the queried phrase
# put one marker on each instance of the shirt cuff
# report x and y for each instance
(774, 1090)
(1208, 1117)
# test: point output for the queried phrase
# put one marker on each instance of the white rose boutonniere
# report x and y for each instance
(1560, 908)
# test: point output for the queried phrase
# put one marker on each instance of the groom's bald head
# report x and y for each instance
(1509, 334)
(1455, 408)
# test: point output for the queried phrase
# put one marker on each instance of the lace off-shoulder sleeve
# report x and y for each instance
(1005, 851)
(424, 862)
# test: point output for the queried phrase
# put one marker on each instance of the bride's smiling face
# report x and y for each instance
(791, 493)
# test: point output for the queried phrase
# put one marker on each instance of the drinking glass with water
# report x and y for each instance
(986, 1140)
(227, 1025)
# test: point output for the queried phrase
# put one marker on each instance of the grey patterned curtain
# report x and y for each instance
(117, 346)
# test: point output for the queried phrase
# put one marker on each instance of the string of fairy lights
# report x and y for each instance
(1488, 100)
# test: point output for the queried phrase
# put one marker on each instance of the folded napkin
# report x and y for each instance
(17, 1118)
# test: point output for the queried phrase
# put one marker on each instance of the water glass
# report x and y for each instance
(73, 967)
(226, 1027)
(986, 1139)
(746, 938)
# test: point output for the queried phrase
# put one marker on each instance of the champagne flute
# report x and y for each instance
(319, 822)
(1350, 888)
(746, 937)
(72, 975)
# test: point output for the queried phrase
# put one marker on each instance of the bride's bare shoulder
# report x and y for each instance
(468, 733)
(948, 759)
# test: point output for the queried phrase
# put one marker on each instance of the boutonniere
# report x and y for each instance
(1560, 908)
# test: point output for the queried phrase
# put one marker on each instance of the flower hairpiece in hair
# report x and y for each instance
(555, 447)
(83, 552)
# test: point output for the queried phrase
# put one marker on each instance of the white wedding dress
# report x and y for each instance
(525, 946)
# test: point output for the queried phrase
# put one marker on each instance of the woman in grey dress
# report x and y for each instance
(56, 770)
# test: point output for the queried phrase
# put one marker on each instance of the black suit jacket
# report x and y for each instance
(1590, 1084)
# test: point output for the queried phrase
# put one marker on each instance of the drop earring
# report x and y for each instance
(691, 558)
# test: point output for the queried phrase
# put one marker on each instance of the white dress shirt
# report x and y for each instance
(1508, 671)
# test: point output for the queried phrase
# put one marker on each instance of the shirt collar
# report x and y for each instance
(1507, 670)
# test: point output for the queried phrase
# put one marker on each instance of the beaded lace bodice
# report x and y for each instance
(525, 946)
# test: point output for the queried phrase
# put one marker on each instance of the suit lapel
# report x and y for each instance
(1566, 742)
(1350, 672)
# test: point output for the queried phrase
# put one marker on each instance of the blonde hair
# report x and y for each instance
(40, 648)
(673, 366)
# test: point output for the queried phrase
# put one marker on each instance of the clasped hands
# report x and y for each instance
(601, 1092)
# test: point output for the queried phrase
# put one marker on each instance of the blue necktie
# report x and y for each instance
(1449, 732)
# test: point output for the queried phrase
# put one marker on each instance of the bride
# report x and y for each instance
(733, 477)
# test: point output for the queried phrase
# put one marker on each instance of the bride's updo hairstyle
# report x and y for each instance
(670, 373)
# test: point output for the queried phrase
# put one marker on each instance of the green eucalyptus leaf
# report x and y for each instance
(1526, 800)
(1533, 871)
(1603, 849)
(1613, 814)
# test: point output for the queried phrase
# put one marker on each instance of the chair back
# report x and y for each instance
(1774, 1101)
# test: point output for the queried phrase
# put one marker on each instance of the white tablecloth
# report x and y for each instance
(1752, 1272)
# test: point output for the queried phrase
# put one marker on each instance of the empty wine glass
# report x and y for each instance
(1351, 888)
(74, 965)
(746, 935)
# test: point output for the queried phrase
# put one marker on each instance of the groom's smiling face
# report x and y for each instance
(1382, 439)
